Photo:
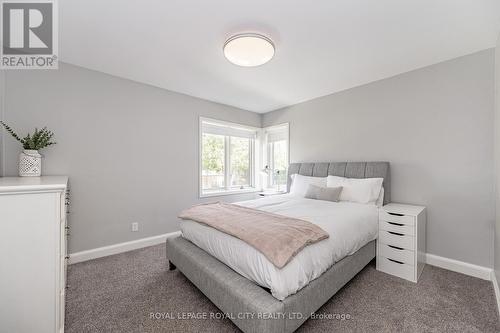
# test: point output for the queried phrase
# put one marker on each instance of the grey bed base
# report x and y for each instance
(249, 306)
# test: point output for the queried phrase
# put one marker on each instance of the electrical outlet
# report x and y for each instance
(135, 226)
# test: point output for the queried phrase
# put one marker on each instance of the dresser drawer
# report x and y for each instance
(63, 240)
(395, 239)
(392, 252)
(62, 308)
(397, 227)
(63, 269)
(394, 268)
(398, 218)
(63, 208)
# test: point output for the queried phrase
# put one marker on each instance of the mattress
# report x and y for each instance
(350, 226)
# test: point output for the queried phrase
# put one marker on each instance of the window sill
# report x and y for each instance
(229, 192)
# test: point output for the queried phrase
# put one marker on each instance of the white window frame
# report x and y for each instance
(254, 160)
(267, 153)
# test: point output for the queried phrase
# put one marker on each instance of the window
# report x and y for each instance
(276, 151)
(227, 157)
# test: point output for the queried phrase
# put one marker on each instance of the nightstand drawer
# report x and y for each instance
(397, 227)
(398, 218)
(396, 239)
(399, 254)
(395, 268)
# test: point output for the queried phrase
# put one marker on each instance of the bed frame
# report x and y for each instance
(251, 307)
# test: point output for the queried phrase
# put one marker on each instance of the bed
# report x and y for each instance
(259, 298)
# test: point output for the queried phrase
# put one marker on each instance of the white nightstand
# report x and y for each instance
(269, 193)
(401, 240)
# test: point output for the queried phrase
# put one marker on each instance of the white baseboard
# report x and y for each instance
(496, 288)
(119, 248)
(431, 259)
(459, 266)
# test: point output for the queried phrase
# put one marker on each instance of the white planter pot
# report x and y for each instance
(30, 163)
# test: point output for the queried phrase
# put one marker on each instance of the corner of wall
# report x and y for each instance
(2, 117)
(496, 243)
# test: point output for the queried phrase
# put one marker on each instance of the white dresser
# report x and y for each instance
(401, 240)
(32, 253)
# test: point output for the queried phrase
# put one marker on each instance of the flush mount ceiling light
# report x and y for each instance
(249, 50)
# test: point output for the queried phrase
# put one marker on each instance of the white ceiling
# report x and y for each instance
(322, 46)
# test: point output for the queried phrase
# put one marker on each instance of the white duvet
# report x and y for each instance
(350, 226)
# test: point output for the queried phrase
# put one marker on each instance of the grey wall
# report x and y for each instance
(435, 126)
(130, 150)
(497, 159)
(2, 99)
(131, 154)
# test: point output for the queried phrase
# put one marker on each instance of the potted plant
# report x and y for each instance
(30, 160)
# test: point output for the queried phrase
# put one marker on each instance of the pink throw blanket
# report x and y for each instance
(278, 237)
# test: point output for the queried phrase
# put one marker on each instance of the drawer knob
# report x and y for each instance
(395, 233)
(397, 262)
(396, 247)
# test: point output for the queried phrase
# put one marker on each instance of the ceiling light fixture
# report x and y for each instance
(249, 49)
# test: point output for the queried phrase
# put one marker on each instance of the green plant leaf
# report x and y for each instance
(11, 131)
(36, 141)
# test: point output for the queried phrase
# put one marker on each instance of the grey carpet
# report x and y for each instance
(118, 293)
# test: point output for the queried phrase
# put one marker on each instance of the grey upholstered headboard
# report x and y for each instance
(345, 169)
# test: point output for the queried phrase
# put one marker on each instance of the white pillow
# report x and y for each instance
(380, 200)
(300, 184)
(363, 190)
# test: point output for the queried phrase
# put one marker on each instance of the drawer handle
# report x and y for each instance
(397, 262)
(395, 233)
(396, 247)
(395, 214)
(398, 224)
